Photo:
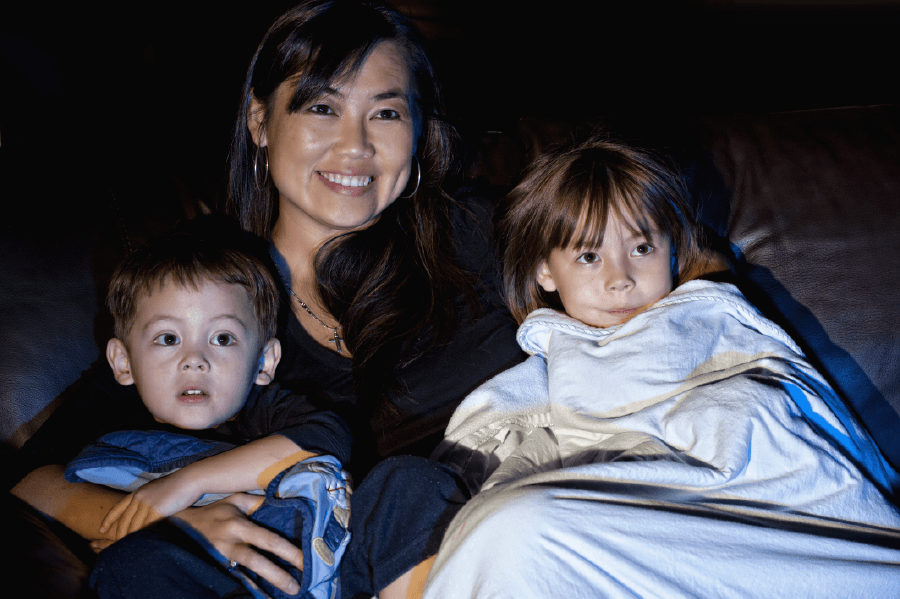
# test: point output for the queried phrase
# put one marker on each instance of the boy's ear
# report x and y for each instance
(268, 361)
(117, 356)
(255, 118)
(544, 278)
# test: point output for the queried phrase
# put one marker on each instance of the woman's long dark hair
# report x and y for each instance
(392, 286)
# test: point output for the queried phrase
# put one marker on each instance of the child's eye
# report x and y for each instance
(589, 258)
(223, 339)
(166, 339)
(642, 250)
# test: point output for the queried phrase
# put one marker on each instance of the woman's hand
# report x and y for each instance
(226, 526)
(154, 501)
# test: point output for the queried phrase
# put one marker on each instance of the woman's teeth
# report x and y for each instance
(346, 180)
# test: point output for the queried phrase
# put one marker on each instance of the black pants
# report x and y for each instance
(161, 562)
(47, 559)
(398, 517)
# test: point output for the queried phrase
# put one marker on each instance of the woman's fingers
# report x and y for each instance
(276, 545)
(226, 526)
(249, 558)
(255, 537)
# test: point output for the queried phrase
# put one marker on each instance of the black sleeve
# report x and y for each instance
(89, 408)
(297, 416)
(480, 349)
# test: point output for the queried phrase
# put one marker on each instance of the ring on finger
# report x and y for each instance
(232, 565)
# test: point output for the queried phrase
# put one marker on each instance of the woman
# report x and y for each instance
(339, 153)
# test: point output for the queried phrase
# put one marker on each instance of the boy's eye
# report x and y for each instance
(166, 339)
(642, 250)
(589, 258)
(223, 339)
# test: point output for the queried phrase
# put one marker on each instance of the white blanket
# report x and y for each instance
(692, 451)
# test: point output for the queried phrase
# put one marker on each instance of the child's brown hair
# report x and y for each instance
(565, 200)
(208, 250)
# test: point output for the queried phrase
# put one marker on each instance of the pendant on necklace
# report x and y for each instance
(337, 341)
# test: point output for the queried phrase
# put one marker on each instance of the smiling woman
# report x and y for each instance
(338, 163)
(344, 112)
(389, 314)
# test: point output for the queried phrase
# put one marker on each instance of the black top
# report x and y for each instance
(299, 417)
(268, 410)
(414, 423)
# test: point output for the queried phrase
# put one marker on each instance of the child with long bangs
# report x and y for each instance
(195, 316)
(651, 389)
(599, 198)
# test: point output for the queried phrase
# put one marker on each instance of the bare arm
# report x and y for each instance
(79, 506)
(246, 468)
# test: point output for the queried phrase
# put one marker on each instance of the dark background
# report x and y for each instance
(138, 98)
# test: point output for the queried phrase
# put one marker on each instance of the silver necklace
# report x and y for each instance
(337, 338)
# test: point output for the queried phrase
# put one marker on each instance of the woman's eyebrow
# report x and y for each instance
(389, 95)
(385, 95)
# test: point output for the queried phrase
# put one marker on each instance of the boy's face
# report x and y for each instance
(608, 285)
(194, 354)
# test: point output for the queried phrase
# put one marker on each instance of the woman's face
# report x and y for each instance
(344, 158)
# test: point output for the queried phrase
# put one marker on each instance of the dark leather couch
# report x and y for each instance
(807, 203)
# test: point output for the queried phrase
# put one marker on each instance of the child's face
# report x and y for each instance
(609, 285)
(194, 354)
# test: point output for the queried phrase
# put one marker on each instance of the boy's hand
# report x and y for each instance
(154, 501)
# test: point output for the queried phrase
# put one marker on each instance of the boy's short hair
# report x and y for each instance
(207, 249)
(564, 201)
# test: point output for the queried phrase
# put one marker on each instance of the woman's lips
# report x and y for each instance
(352, 185)
(622, 311)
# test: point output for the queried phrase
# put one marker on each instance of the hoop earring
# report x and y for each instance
(418, 178)
(255, 176)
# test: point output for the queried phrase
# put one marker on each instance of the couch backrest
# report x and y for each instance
(813, 217)
(63, 232)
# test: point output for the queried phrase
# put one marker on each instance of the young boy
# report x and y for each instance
(195, 319)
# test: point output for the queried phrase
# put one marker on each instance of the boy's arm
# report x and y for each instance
(79, 506)
(246, 468)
